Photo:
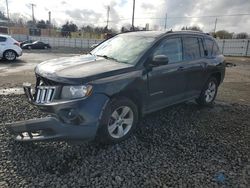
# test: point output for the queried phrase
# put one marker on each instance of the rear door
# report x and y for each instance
(167, 83)
(195, 64)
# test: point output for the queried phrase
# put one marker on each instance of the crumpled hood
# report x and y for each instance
(83, 67)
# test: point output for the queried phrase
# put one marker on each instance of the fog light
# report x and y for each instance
(72, 114)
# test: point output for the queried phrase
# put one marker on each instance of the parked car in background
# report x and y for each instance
(9, 48)
(36, 45)
(104, 94)
(26, 42)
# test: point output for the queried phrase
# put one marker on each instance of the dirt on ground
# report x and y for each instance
(236, 85)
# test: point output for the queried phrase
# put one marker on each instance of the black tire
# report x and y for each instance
(10, 55)
(202, 100)
(29, 47)
(116, 104)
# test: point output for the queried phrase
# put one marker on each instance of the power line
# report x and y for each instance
(185, 17)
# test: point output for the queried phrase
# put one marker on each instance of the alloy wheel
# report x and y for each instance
(10, 55)
(210, 92)
(120, 122)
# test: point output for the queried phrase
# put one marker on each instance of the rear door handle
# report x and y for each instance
(181, 68)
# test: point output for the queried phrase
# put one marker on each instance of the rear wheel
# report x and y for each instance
(29, 47)
(119, 120)
(10, 55)
(209, 92)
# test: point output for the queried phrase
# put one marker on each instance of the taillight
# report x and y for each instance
(17, 43)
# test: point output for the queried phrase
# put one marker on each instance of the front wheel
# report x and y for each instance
(119, 120)
(209, 92)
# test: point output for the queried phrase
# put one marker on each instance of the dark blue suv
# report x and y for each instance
(102, 95)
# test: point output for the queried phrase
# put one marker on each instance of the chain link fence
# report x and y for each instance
(234, 47)
(61, 41)
(229, 47)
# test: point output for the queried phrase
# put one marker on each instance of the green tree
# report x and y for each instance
(41, 24)
(193, 28)
(223, 34)
(67, 28)
(242, 35)
(2, 16)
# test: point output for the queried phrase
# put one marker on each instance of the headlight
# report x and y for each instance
(73, 92)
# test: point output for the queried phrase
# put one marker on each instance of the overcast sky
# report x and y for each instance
(83, 12)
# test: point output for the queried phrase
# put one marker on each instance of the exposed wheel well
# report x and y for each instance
(217, 75)
(134, 97)
(10, 50)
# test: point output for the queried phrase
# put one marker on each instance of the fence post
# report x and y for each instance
(247, 47)
(223, 45)
(81, 42)
(88, 44)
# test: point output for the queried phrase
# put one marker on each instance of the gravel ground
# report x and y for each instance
(182, 146)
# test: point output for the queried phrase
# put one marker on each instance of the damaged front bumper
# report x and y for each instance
(76, 119)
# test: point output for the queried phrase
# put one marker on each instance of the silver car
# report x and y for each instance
(9, 48)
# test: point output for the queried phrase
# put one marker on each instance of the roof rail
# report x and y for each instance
(170, 31)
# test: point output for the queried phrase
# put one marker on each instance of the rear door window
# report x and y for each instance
(191, 48)
(3, 39)
(172, 48)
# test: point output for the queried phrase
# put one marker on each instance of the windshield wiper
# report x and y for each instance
(107, 57)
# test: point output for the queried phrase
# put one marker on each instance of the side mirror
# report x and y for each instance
(159, 60)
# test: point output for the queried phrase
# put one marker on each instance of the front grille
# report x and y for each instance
(45, 82)
(45, 94)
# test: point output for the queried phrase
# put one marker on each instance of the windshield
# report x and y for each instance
(123, 48)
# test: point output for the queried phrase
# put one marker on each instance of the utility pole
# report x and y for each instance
(7, 7)
(49, 23)
(215, 24)
(166, 19)
(133, 15)
(32, 8)
(108, 10)
(8, 15)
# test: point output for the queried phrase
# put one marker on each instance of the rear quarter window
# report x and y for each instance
(3, 39)
(212, 48)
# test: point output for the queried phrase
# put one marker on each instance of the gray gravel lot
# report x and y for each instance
(184, 145)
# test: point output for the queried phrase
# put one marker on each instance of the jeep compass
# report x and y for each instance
(102, 95)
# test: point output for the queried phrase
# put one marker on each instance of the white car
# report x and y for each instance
(9, 48)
